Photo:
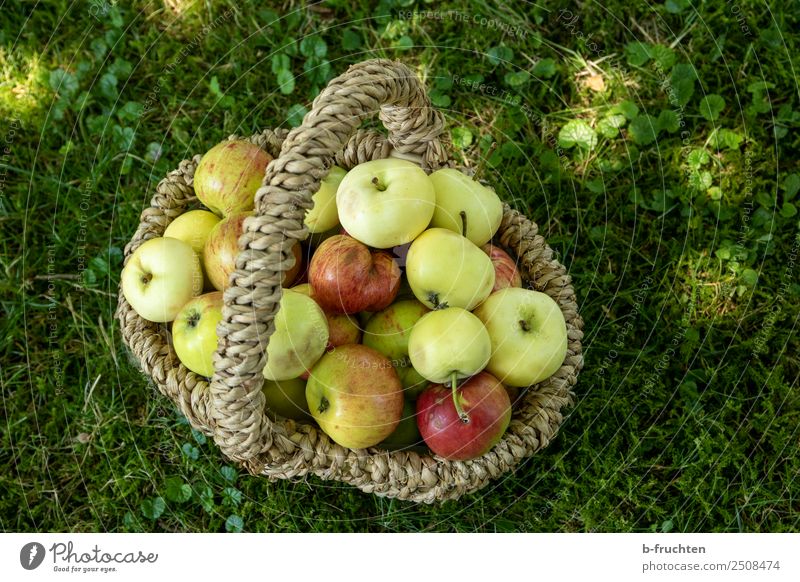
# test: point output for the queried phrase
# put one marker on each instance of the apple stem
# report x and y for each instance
(460, 411)
(463, 223)
(524, 325)
(378, 184)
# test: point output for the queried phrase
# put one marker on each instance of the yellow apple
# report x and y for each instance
(385, 203)
(325, 216)
(465, 206)
(528, 333)
(355, 396)
(194, 332)
(194, 227)
(449, 344)
(160, 277)
(444, 269)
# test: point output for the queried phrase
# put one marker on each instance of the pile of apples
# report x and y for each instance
(400, 324)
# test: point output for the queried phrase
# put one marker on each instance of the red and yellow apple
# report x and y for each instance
(228, 175)
(221, 248)
(347, 277)
(355, 396)
(505, 269)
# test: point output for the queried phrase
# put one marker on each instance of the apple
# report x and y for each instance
(461, 437)
(228, 175)
(286, 398)
(413, 382)
(385, 203)
(300, 337)
(342, 328)
(465, 206)
(505, 269)
(348, 278)
(444, 269)
(324, 215)
(406, 435)
(221, 248)
(194, 332)
(194, 227)
(290, 276)
(160, 277)
(529, 335)
(388, 331)
(355, 396)
(449, 344)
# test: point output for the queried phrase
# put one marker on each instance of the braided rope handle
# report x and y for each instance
(241, 429)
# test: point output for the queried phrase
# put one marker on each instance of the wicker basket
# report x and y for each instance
(231, 406)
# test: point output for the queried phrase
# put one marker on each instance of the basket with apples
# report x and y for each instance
(334, 302)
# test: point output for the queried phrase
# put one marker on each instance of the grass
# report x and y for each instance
(656, 147)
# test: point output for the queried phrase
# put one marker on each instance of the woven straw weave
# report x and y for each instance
(231, 406)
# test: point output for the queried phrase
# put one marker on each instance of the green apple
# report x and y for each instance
(385, 203)
(445, 269)
(300, 337)
(449, 344)
(325, 216)
(194, 227)
(388, 331)
(406, 435)
(286, 398)
(160, 277)
(194, 332)
(528, 333)
(355, 396)
(413, 382)
(465, 206)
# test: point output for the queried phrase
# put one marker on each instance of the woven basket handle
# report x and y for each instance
(389, 88)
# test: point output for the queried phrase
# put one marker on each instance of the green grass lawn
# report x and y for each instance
(656, 147)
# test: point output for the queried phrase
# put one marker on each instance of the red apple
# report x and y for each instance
(228, 176)
(487, 413)
(347, 277)
(505, 269)
(221, 248)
